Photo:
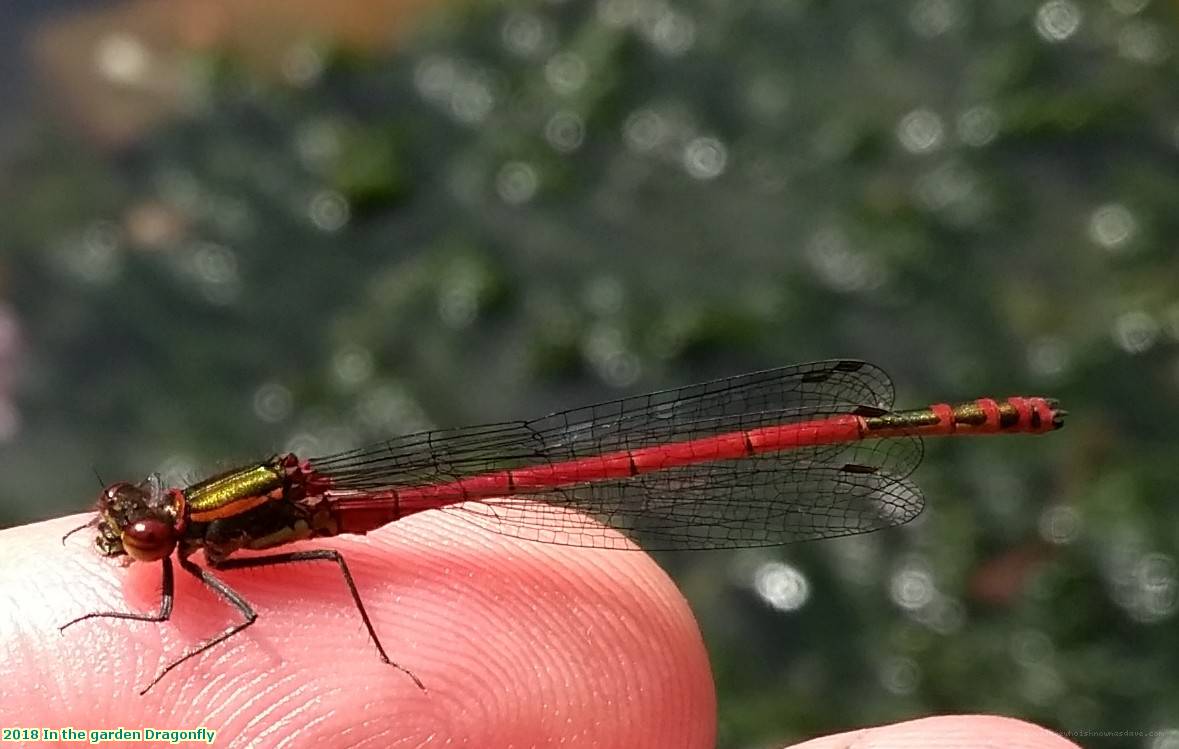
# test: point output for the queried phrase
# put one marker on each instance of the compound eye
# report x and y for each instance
(120, 496)
(149, 540)
(113, 491)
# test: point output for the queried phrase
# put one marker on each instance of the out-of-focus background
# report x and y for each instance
(232, 228)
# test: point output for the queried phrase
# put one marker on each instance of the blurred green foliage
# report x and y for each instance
(535, 205)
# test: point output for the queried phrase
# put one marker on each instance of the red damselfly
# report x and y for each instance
(800, 452)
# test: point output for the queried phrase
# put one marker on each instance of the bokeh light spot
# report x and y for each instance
(782, 586)
(920, 131)
(1057, 20)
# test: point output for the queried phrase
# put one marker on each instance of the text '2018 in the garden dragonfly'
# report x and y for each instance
(800, 452)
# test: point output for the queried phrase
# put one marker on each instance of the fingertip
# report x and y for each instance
(946, 732)
(515, 643)
(557, 641)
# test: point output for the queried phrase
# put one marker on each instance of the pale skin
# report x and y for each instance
(518, 644)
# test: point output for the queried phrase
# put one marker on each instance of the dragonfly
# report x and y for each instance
(801, 452)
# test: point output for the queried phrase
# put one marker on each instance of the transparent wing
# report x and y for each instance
(772, 396)
(815, 491)
(766, 502)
